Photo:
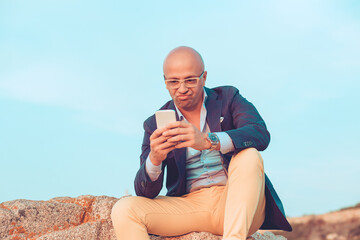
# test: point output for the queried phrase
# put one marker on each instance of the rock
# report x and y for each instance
(209, 236)
(338, 225)
(267, 236)
(82, 218)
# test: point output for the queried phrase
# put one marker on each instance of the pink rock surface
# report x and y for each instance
(85, 217)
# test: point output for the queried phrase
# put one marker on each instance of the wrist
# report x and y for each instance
(214, 141)
(207, 142)
(153, 160)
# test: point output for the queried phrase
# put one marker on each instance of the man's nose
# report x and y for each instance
(182, 88)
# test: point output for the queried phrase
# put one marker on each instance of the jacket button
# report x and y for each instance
(143, 184)
(247, 143)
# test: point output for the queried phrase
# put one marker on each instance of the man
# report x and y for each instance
(215, 174)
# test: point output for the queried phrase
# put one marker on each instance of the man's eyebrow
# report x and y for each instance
(192, 76)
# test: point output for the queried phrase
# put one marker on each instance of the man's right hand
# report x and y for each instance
(159, 147)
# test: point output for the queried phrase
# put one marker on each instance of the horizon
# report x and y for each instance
(77, 80)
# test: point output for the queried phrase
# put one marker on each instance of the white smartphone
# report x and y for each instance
(164, 117)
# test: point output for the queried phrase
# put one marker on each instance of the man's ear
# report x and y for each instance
(204, 77)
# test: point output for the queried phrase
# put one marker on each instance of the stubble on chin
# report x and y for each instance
(184, 105)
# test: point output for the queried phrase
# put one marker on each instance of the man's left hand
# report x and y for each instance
(186, 135)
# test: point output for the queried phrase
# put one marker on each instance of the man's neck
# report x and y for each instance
(193, 116)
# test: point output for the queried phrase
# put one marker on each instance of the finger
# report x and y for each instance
(176, 131)
(167, 144)
(165, 148)
(169, 148)
(183, 144)
(157, 141)
(172, 148)
(157, 133)
(173, 125)
(179, 138)
(177, 124)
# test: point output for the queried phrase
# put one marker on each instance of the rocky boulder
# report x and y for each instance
(338, 225)
(82, 218)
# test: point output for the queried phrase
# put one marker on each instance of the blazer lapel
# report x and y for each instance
(213, 108)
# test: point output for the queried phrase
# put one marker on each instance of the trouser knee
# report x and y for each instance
(123, 209)
(249, 158)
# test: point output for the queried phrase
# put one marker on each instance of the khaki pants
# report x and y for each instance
(235, 211)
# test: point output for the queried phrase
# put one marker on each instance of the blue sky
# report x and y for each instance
(78, 78)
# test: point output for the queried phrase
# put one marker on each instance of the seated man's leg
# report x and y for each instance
(135, 217)
(242, 205)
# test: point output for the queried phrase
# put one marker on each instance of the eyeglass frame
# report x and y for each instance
(183, 80)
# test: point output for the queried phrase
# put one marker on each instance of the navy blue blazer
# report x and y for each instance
(245, 127)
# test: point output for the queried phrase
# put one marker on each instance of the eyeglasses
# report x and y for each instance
(189, 82)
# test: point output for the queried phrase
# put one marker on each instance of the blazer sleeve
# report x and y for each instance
(143, 185)
(249, 129)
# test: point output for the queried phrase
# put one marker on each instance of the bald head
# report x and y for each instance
(185, 63)
(185, 60)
